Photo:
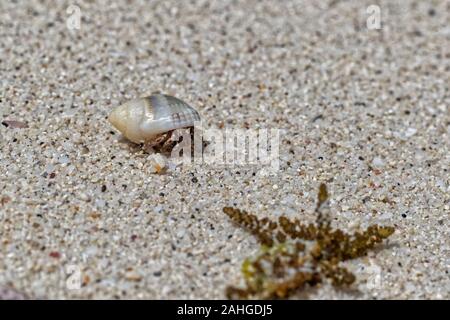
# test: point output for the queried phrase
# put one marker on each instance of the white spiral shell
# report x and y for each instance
(143, 119)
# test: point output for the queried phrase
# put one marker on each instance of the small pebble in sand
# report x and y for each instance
(378, 162)
(4, 200)
(55, 254)
(14, 124)
(84, 197)
(157, 162)
(410, 132)
(133, 276)
(63, 159)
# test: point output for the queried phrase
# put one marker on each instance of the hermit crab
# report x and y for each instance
(152, 120)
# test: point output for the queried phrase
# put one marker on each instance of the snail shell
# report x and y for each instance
(144, 119)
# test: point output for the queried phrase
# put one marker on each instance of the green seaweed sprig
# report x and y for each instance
(295, 255)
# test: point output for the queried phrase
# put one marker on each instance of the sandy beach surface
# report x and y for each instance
(360, 108)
